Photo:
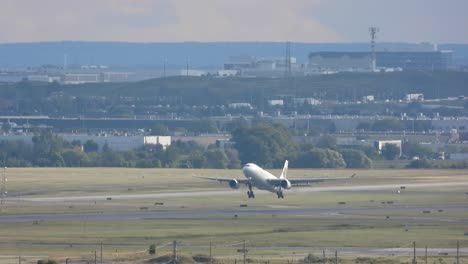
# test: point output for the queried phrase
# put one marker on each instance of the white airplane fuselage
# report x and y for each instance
(259, 177)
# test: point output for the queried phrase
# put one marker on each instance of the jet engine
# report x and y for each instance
(285, 184)
(234, 184)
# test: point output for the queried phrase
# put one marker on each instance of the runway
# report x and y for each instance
(229, 192)
(192, 213)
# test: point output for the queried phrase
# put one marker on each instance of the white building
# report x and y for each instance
(414, 97)
(227, 73)
(381, 144)
(80, 78)
(459, 156)
(115, 76)
(164, 141)
(368, 98)
(303, 101)
(189, 72)
(240, 105)
(275, 102)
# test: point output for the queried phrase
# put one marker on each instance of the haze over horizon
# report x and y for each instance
(309, 21)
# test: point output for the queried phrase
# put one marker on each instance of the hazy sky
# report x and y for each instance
(439, 21)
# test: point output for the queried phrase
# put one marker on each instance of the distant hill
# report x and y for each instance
(215, 91)
(198, 54)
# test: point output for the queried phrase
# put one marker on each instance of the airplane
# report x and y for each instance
(257, 177)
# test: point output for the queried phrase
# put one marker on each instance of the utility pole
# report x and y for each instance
(3, 189)
(19, 259)
(174, 252)
(323, 254)
(287, 60)
(101, 252)
(211, 258)
(458, 252)
(336, 256)
(426, 256)
(245, 253)
(414, 252)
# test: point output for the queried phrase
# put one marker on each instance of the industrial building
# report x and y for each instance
(264, 67)
(117, 143)
(361, 61)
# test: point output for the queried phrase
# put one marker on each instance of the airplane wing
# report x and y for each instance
(300, 181)
(242, 181)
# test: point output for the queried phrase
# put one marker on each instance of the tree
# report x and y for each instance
(47, 149)
(233, 157)
(215, 159)
(76, 143)
(334, 159)
(75, 158)
(417, 150)
(196, 159)
(159, 130)
(240, 122)
(319, 158)
(356, 159)
(387, 124)
(90, 146)
(390, 151)
(106, 147)
(204, 126)
(364, 126)
(266, 145)
(56, 160)
(46, 142)
(111, 159)
(6, 127)
(326, 142)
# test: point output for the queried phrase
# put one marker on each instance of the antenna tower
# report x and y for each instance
(287, 60)
(373, 33)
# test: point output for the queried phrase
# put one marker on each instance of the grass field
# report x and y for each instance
(267, 235)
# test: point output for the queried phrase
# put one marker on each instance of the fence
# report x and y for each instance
(241, 252)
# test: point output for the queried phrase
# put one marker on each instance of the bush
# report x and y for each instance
(152, 249)
(419, 164)
(390, 151)
(49, 261)
(356, 159)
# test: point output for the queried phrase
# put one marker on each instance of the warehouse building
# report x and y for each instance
(360, 61)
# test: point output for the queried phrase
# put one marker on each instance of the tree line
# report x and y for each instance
(267, 145)
(50, 150)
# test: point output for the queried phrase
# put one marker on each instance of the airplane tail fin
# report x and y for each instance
(284, 173)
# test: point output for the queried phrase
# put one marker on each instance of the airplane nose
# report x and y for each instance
(246, 170)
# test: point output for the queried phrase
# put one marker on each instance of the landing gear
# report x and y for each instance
(280, 194)
(250, 192)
